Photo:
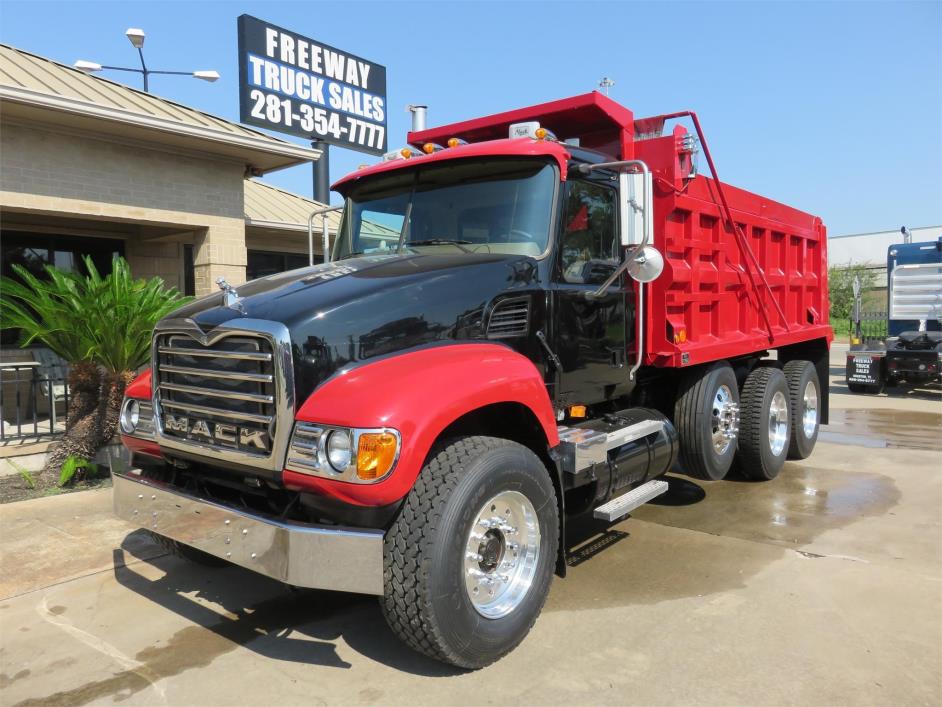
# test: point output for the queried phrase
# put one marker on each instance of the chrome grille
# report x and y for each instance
(223, 394)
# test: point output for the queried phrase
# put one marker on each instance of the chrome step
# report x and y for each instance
(625, 504)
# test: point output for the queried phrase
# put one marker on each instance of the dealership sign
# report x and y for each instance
(296, 85)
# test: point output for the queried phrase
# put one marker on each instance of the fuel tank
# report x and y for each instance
(641, 444)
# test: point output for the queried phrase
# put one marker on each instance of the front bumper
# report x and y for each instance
(313, 556)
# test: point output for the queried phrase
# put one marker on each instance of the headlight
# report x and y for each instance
(338, 449)
(130, 415)
(359, 456)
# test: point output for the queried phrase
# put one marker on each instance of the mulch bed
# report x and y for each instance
(16, 488)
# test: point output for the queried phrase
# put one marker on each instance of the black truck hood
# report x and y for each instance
(359, 308)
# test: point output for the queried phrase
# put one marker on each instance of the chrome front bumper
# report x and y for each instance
(314, 556)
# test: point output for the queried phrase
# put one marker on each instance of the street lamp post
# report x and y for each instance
(136, 37)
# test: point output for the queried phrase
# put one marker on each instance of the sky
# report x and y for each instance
(832, 107)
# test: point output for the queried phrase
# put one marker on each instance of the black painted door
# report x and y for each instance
(589, 332)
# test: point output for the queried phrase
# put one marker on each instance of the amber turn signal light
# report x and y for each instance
(376, 454)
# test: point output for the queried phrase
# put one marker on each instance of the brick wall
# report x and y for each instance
(49, 172)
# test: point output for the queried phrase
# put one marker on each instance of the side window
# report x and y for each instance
(589, 242)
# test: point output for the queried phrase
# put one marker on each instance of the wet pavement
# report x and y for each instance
(878, 429)
(822, 587)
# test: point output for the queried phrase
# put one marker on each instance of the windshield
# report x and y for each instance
(484, 206)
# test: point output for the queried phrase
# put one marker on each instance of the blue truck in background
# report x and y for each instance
(912, 349)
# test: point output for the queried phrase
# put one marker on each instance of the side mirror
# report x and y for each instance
(636, 211)
(647, 265)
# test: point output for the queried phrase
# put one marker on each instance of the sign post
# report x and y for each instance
(296, 85)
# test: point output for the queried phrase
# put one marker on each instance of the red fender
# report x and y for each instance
(140, 389)
(419, 393)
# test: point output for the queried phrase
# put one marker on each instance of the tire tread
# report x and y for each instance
(751, 398)
(794, 374)
(691, 455)
(406, 603)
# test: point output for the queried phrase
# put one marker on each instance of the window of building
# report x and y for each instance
(189, 274)
(263, 263)
(33, 251)
(589, 248)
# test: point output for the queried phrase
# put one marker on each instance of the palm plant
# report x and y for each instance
(102, 326)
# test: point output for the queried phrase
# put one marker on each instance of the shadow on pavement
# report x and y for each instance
(587, 536)
(262, 615)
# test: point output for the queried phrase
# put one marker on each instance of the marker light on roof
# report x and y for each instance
(456, 141)
(527, 129)
(403, 154)
(430, 147)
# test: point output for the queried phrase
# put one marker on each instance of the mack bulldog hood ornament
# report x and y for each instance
(230, 298)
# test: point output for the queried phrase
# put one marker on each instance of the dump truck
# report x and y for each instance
(526, 320)
(911, 351)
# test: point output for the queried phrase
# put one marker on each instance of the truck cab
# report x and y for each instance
(911, 352)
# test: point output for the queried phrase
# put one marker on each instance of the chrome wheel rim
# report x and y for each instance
(809, 410)
(724, 420)
(778, 423)
(502, 554)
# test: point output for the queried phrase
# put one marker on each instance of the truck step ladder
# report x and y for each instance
(625, 504)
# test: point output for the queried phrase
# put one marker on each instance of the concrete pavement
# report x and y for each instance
(822, 587)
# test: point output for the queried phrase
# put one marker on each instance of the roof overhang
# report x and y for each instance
(283, 226)
(259, 153)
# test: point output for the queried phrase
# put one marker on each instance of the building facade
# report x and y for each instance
(92, 167)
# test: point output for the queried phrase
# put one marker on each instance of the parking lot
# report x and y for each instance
(822, 587)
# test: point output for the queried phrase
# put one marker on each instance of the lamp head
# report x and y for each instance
(87, 66)
(136, 37)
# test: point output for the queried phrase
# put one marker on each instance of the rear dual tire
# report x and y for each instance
(774, 416)
(765, 425)
(706, 417)
(804, 392)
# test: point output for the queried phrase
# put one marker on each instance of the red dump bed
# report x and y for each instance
(725, 292)
(715, 300)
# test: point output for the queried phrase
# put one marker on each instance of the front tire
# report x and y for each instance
(470, 557)
(765, 424)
